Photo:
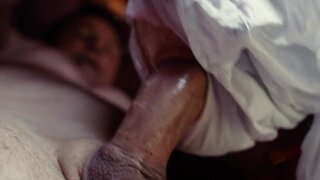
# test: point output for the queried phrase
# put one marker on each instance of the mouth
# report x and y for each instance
(88, 67)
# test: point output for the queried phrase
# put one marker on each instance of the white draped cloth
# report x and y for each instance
(263, 60)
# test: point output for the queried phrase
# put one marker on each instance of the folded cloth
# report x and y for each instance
(262, 57)
(309, 164)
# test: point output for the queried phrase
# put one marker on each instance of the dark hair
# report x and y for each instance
(129, 80)
(87, 10)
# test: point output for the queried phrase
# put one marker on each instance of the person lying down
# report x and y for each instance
(51, 119)
(90, 37)
(217, 78)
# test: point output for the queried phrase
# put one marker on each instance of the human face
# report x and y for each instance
(94, 47)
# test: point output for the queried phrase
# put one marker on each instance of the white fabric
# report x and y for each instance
(309, 163)
(219, 129)
(49, 107)
(265, 53)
